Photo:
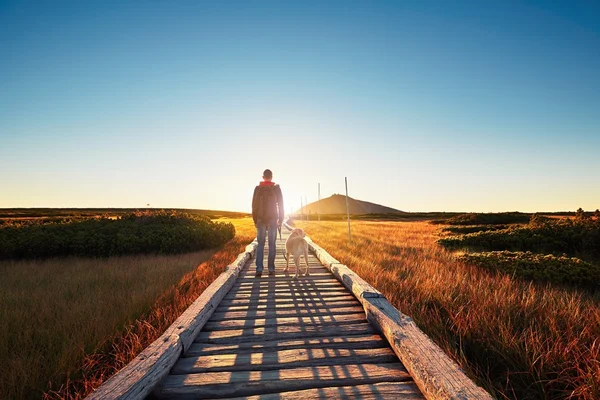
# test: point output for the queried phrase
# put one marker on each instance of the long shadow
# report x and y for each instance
(304, 294)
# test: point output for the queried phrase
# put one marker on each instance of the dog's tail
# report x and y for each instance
(284, 254)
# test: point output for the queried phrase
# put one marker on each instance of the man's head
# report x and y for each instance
(267, 175)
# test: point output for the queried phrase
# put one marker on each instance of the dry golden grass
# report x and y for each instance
(518, 340)
(68, 324)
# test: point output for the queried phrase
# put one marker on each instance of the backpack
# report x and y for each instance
(266, 198)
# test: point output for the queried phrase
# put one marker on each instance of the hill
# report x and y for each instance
(336, 204)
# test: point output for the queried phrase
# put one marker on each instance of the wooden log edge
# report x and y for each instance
(354, 283)
(138, 378)
(436, 374)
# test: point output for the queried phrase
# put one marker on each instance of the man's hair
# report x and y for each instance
(267, 174)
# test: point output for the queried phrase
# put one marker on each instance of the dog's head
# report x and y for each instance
(297, 232)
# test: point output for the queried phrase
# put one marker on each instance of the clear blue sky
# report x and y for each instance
(424, 106)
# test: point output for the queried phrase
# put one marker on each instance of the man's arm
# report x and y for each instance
(280, 205)
(254, 206)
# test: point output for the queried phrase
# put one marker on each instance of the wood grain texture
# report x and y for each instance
(290, 304)
(290, 288)
(245, 383)
(284, 321)
(299, 301)
(250, 314)
(292, 358)
(376, 391)
(368, 341)
(282, 332)
(310, 295)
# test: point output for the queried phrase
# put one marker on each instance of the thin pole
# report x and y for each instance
(301, 210)
(319, 204)
(348, 211)
(307, 210)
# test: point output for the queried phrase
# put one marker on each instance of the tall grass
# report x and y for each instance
(68, 324)
(519, 340)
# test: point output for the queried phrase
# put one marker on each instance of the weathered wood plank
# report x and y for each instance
(377, 391)
(347, 342)
(292, 284)
(249, 314)
(434, 372)
(294, 358)
(353, 282)
(286, 305)
(245, 383)
(310, 295)
(289, 289)
(287, 282)
(141, 375)
(249, 277)
(283, 321)
(282, 276)
(282, 332)
(299, 301)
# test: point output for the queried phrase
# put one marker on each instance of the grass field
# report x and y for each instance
(519, 340)
(66, 324)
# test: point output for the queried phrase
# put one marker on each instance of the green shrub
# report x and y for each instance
(473, 228)
(537, 267)
(578, 237)
(158, 232)
(486, 219)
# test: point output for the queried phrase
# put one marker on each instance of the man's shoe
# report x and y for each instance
(258, 275)
(271, 273)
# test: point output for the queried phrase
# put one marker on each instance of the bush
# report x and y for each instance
(486, 219)
(546, 268)
(578, 237)
(156, 232)
(473, 228)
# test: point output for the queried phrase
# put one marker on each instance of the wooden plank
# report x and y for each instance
(325, 300)
(294, 358)
(283, 332)
(259, 282)
(434, 372)
(351, 302)
(347, 342)
(378, 391)
(285, 312)
(354, 283)
(137, 378)
(249, 277)
(285, 285)
(245, 383)
(311, 294)
(281, 276)
(283, 321)
(289, 288)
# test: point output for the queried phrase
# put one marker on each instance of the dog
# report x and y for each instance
(296, 246)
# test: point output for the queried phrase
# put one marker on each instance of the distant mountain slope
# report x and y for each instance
(336, 204)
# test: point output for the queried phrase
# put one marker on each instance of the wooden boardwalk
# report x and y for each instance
(327, 336)
(278, 338)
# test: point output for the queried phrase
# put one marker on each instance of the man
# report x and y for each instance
(267, 213)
